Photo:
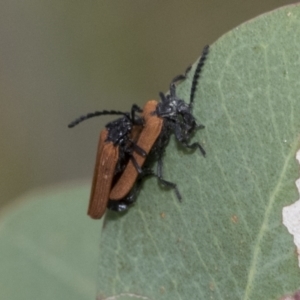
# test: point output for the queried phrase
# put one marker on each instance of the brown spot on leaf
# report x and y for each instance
(162, 215)
(234, 219)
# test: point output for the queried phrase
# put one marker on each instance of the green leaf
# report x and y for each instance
(226, 239)
(48, 247)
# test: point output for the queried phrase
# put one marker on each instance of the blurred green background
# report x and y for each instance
(61, 59)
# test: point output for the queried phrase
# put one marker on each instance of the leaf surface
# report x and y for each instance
(226, 239)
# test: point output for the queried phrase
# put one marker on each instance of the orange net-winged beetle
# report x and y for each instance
(170, 115)
(132, 140)
(117, 143)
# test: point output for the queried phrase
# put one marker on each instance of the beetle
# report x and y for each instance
(170, 115)
(117, 143)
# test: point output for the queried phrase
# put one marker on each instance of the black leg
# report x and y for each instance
(200, 126)
(136, 165)
(162, 97)
(159, 167)
(134, 109)
(194, 146)
(179, 134)
(138, 149)
(171, 185)
(173, 90)
(163, 181)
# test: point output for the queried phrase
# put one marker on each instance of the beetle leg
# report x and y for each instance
(176, 79)
(138, 149)
(200, 126)
(135, 108)
(159, 167)
(171, 185)
(182, 140)
(162, 97)
(178, 132)
(172, 90)
(130, 199)
(136, 165)
(163, 181)
(194, 146)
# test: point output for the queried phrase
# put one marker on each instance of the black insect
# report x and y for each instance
(177, 114)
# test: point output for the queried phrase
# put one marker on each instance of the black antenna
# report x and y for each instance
(197, 73)
(95, 114)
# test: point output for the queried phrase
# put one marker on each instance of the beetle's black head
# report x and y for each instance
(170, 106)
(166, 109)
(119, 130)
(176, 110)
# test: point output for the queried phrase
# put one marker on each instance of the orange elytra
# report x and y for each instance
(147, 138)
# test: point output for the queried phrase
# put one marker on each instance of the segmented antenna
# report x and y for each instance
(197, 73)
(95, 114)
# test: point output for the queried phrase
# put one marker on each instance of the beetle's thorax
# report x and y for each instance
(118, 130)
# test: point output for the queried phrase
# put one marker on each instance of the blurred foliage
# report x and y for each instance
(48, 246)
